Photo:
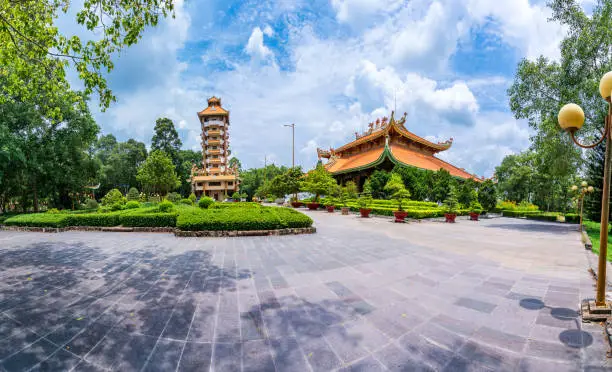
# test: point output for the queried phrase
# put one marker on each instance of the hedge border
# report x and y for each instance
(177, 232)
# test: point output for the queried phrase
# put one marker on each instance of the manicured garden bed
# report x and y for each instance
(218, 217)
(592, 230)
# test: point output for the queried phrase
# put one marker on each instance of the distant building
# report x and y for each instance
(385, 144)
(214, 178)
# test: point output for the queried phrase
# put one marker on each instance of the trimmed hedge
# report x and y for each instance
(235, 205)
(228, 219)
(572, 218)
(250, 217)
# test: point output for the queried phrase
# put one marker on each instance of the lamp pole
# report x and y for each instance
(293, 144)
(571, 118)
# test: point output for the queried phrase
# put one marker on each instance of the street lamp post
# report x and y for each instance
(293, 144)
(571, 119)
(585, 188)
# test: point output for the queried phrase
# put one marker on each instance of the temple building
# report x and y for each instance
(214, 178)
(385, 144)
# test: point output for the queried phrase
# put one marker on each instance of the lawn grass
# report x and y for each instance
(592, 230)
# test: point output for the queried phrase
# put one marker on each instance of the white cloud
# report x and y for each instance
(255, 46)
(363, 12)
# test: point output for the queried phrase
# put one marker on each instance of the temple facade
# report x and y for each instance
(383, 145)
(214, 178)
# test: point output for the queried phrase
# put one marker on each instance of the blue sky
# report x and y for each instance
(330, 67)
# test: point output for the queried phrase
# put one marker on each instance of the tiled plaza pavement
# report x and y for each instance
(360, 295)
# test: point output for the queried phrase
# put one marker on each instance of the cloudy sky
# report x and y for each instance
(332, 66)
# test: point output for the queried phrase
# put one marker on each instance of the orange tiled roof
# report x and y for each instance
(353, 162)
(399, 128)
(213, 111)
(399, 154)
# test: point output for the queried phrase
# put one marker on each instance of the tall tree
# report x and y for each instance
(119, 163)
(187, 158)
(166, 139)
(594, 176)
(35, 52)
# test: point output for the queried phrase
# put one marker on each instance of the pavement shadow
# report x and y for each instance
(536, 226)
(574, 338)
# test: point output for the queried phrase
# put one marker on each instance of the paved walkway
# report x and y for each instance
(361, 294)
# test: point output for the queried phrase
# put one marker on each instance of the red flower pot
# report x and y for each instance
(330, 208)
(474, 216)
(296, 204)
(450, 217)
(312, 206)
(365, 212)
(400, 216)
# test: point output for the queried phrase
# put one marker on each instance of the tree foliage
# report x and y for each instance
(35, 53)
(318, 182)
(487, 195)
(157, 173)
(166, 139)
(395, 187)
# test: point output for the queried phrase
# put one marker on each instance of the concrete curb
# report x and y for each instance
(296, 231)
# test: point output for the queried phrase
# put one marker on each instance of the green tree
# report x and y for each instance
(515, 177)
(234, 162)
(541, 87)
(119, 162)
(187, 158)
(415, 180)
(35, 53)
(441, 183)
(286, 183)
(395, 187)
(318, 182)
(166, 139)
(487, 195)
(157, 173)
(378, 180)
(350, 188)
(467, 192)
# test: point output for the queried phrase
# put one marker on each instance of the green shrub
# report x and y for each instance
(572, 218)
(53, 211)
(143, 198)
(205, 202)
(93, 219)
(174, 197)
(132, 204)
(186, 201)
(112, 197)
(236, 196)
(148, 219)
(230, 219)
(236, 205)
(38, 220)
(133, 194)
(192, 197)
(91, 204)
(116, 206)
(165, 206)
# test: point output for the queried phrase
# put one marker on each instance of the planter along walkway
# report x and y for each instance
(361, 294)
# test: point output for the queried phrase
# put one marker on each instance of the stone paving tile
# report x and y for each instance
(360, 295)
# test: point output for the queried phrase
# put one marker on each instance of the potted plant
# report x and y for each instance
(450, 206)
(343, 199)
(330, 204)
(475, 210)
(364, 202)
(395, 187)
(295, 203)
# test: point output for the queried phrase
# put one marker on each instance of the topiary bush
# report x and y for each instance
(133, 194)
(205, 202)
(192, 197)
(165, 206)
(53, 211)
(117, 206)
(186, 202)
(174, 197)
(132, 204)
(231, 219)
(112, 197)
(91, 204)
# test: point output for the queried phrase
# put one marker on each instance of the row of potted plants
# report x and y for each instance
(400, 194)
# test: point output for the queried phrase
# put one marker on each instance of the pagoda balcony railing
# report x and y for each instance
(215, 161)
(214, 132)
(212, 142)
(213, 152)
(210, 123)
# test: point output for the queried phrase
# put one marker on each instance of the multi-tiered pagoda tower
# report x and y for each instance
(214, 179)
